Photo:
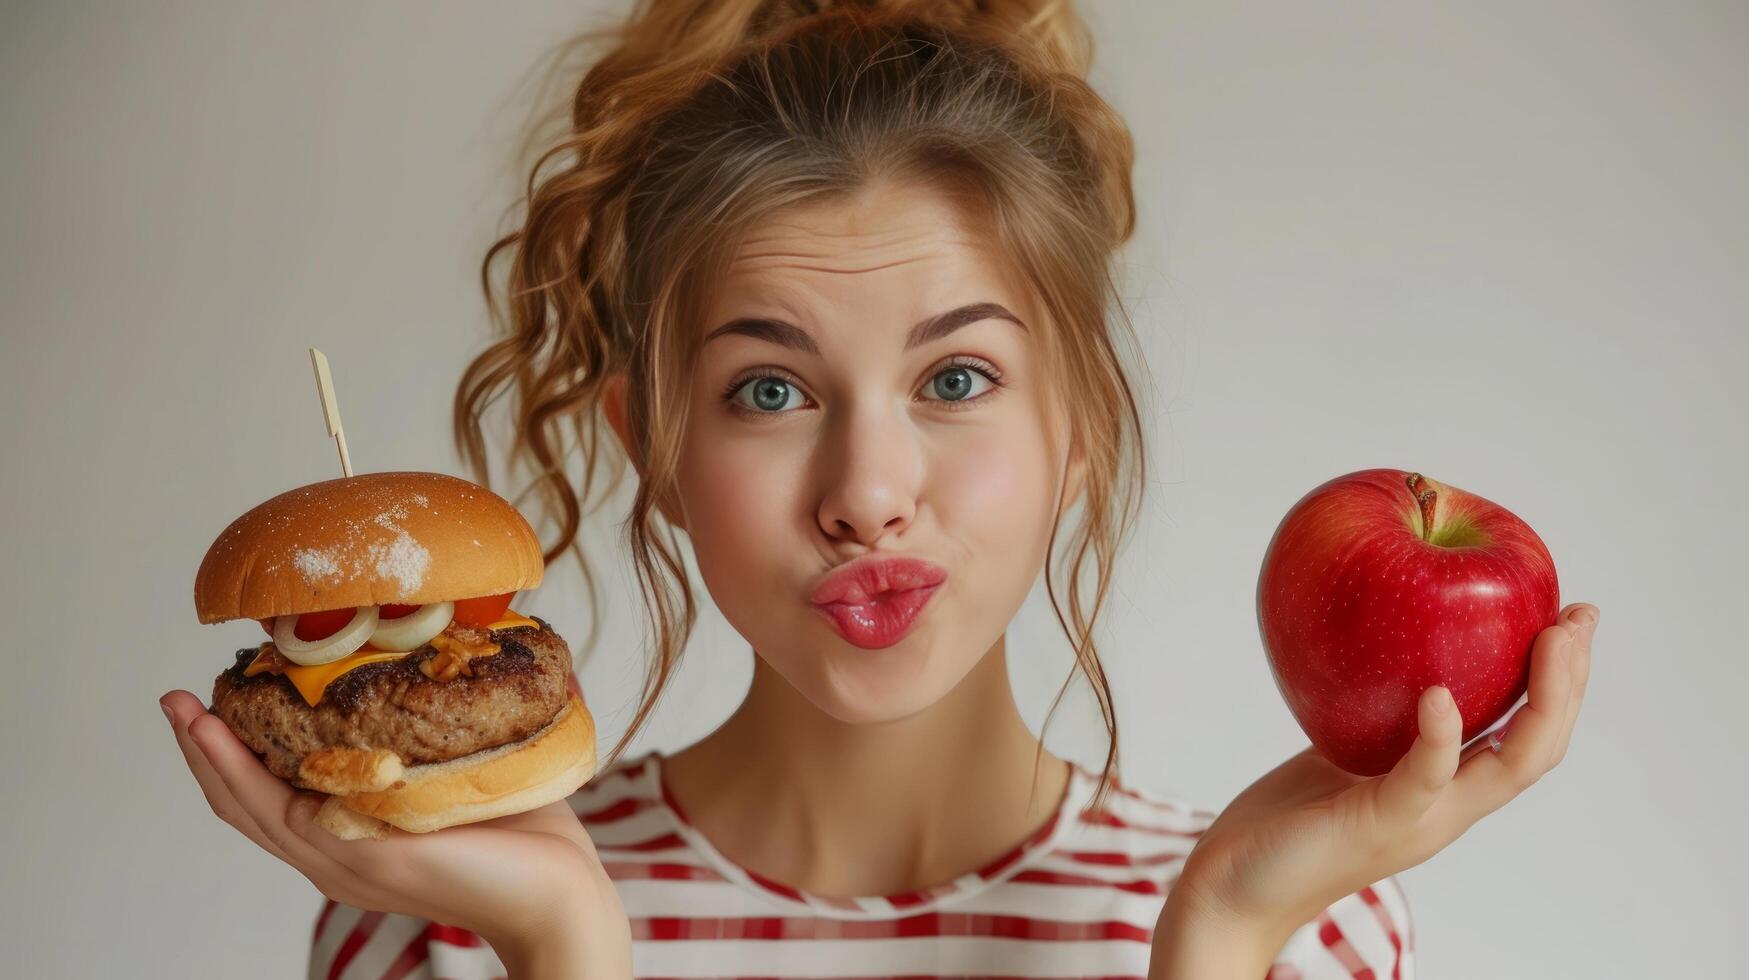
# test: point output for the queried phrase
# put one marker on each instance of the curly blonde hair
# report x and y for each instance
(701, 117)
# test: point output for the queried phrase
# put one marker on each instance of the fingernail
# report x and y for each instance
(167, 715)
(1585, 618)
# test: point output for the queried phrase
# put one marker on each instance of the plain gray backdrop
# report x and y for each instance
(1500, 243)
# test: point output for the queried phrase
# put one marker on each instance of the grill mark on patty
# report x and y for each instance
(394, 705)
(351, 690)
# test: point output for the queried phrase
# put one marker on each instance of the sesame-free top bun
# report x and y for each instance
(367, 540)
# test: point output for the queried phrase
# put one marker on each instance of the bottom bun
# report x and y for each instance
(515, 778)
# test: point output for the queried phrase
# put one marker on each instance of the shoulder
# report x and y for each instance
(354, 943)
(1128, 804)
(1136, 815)
(622, 803)
(1368, 930)
(1134, 838)
(624, 786)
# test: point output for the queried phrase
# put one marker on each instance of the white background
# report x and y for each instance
(1500, 243)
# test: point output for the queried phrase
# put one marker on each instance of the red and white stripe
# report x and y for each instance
(1078, 899)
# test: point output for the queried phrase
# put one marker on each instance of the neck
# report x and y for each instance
(846, 809)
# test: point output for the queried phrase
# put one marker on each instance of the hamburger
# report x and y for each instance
(396, 677)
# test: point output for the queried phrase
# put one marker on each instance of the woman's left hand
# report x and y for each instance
(1309, 833)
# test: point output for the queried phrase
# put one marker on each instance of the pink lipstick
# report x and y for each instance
(873, 601)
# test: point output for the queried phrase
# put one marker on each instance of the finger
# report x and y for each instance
(1412, 786)
(555, 818)
(371, 856)
(407, 864)
(1586, 618)
(391, 864)
(548, 818)
(266, 798)
(423, 872)
(1569, 620)
(184, 708)
(1488, 780)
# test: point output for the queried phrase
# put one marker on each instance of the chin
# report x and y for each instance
(870, 687)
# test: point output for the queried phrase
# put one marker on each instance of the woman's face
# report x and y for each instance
(845, 442)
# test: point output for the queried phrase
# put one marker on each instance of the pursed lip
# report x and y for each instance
(861, 580)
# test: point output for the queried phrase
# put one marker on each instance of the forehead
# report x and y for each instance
(887, 242)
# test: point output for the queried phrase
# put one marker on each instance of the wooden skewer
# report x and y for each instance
(330, 409)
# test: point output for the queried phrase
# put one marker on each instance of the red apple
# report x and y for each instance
(1382, 583)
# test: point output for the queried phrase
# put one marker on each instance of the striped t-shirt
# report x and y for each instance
(1077, 899)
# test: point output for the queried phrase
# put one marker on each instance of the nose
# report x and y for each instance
(872, 470)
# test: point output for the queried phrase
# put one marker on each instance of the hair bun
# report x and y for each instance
(1051, 27)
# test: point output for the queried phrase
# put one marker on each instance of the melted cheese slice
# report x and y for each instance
(312, 681)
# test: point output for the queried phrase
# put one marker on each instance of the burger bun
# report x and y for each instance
(524, 775)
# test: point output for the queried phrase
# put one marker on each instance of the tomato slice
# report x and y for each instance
(321, 625)
(267, 624)
(483, 611)
(395, 611)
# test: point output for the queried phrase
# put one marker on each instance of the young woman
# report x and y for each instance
(838, 282)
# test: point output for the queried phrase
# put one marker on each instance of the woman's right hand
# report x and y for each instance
(530, 884)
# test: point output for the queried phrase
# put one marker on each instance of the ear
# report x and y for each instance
(613, 405)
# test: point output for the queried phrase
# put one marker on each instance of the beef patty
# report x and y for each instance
(393, 705)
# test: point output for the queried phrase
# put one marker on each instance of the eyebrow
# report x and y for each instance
(934, 328)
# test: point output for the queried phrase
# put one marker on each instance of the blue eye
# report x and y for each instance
(955, 386)
(953, 383)
(770, 394)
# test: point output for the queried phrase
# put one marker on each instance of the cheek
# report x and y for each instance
(993, 490)
(739, 497)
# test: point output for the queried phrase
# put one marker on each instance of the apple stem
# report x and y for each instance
(1426, 498)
